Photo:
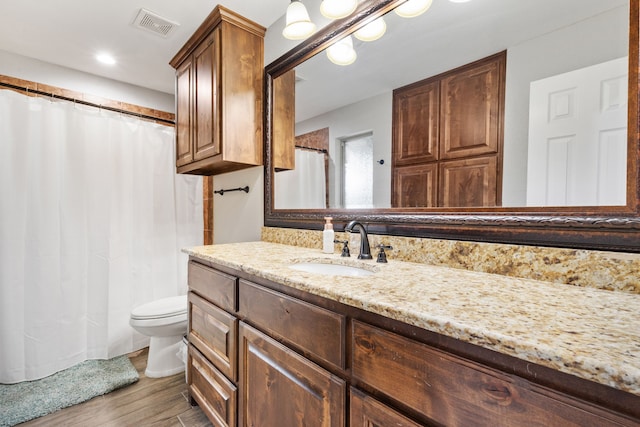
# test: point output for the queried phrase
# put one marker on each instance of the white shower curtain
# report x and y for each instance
(92, 218)
(303, 187)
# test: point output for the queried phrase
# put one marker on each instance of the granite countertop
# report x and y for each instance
(591, 333)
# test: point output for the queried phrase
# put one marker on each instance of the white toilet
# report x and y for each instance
(165, 321)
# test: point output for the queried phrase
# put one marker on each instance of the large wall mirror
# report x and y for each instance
(564, 113)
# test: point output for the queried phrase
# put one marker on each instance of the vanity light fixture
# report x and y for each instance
(336, 9)
(372, 31)
(342, 52)
(299, 25)
(105, 58)
(413, 8)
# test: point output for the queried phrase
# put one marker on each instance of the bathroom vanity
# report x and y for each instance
(407, 345)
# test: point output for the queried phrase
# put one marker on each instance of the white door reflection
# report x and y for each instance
(578, 137)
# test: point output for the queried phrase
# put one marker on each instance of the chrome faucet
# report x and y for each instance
(365, 251)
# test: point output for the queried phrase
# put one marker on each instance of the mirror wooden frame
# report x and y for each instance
(614, 228)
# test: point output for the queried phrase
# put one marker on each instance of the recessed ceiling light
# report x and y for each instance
(105, 58)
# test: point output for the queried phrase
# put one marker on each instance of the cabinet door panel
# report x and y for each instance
(281, 388)
(456, 392)
(415, 186)
(365, 411)
(471, 109)
(207, 141)
(184, 98)
(216, 396)
(241, 97)
(214, 332)
(469, 182)
(415, 124)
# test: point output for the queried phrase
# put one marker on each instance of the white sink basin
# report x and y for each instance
(331, 269)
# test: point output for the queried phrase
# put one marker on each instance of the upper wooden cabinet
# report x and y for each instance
(219, 86)
(284, 103)
(450, 126)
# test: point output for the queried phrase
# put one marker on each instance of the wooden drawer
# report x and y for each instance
(216, 395)
(456, 392)
(311, 329)
(215, 333)
(219, 288)
(366, 411)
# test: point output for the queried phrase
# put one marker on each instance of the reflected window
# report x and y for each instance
(357, 171)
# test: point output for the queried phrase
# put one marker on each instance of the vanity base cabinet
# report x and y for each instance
(263, 354)
(281, 388)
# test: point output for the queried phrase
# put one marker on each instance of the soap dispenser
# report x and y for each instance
(327, 236)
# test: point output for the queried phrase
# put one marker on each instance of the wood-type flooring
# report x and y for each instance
(157, 402)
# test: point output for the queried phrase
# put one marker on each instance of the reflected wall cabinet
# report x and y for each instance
(447, 138)
(219, 92)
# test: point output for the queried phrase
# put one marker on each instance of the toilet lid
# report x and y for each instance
(165, 307)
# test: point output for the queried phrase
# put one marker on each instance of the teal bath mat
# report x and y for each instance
(32, 399)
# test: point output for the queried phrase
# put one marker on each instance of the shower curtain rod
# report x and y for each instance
(319, 150)
(83, 102)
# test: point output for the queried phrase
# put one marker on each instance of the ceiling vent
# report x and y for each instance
(154, 23)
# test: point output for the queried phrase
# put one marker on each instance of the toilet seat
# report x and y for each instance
(161, 309)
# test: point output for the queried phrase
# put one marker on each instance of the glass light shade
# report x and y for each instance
(372, 31)
(336, 9)
(342, 52)
(412, 8)
(299, 26)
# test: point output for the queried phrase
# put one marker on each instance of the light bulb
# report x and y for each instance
(106, 58)
(372, 31)
(342, 52)
(336, 9)
(299, 26)
(413, 8)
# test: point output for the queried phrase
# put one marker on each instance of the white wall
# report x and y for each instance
(21, 67)
(371, 115)
(589, 42)
(238, 216)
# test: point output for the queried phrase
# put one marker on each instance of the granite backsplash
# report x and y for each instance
(598, 269)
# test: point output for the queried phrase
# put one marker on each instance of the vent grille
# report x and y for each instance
(154, 23)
